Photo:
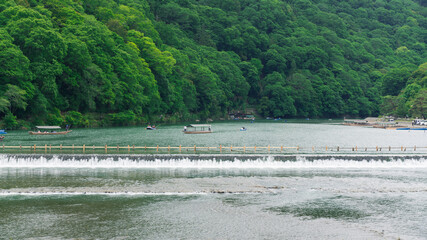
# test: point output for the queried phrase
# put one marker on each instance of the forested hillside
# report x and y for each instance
(113, 62)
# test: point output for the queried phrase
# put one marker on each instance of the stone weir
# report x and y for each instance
(222, 157)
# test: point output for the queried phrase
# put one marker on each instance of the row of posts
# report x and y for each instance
(46, 147)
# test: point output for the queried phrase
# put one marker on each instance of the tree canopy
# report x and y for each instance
(122, 62)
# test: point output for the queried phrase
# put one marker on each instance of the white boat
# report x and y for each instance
(197, 129)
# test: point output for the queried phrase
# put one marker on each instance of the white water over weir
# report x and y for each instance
(211, 161)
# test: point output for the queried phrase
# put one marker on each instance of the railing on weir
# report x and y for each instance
(132, 149)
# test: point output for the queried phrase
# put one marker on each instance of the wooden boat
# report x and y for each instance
(197, 129)
(48, 130)
(151, 128)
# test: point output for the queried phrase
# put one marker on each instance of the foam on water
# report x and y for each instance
(111, 194)
(213, 161)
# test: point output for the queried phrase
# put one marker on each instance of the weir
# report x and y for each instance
(211, 161)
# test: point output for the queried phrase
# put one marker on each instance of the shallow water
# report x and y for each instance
(189, 198)
(232, 196)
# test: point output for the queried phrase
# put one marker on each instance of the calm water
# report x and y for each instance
(250, 196)
(275, 133)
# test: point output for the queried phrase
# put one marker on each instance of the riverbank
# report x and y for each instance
(386, 123)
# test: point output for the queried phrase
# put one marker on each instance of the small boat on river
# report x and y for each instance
(151, 127)
(48, 130)
(197, 129)
(2, 132)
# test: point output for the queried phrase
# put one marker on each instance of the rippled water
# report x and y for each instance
(274, 133)
(239, 196)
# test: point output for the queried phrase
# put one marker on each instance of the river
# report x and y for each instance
(289, 195)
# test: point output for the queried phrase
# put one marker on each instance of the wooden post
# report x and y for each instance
(401, 148)
(297, 148)
(255, 148)
(194, 148)
(34, 147)
(356, 148)
(179, 148)
(128, 149)
(169, 148)
(366, 149)
(133, 148)
(338, 148)
(73, 147)
(312, 148)
(269, 148)
(220, 148)
(118, 149)
(157, 148)
(326, 148)
(244, 148)
(60, 147)
(415, 148)
(231, 148)
(106, 148)
(377, 148)
(281, 148)
(20, 147)
(389, 148)
(45, 148)
(50, 148)
(84, 146)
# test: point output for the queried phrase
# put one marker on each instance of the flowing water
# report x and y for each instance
(333, 195)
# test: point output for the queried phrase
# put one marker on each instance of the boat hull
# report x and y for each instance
(49, 133)
(197, 132)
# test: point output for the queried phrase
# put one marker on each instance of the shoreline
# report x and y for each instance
(382, 123)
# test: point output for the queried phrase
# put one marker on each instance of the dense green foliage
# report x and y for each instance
(122, 62)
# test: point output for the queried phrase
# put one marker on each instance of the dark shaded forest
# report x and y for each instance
(115, 62)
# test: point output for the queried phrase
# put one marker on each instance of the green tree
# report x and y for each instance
(10, 122)
(16, 97)
(418, 106)
(394, 81)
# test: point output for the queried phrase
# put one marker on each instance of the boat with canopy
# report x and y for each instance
(48, 130)
(197, 129)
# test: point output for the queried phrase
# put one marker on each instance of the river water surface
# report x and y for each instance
(298, 195)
